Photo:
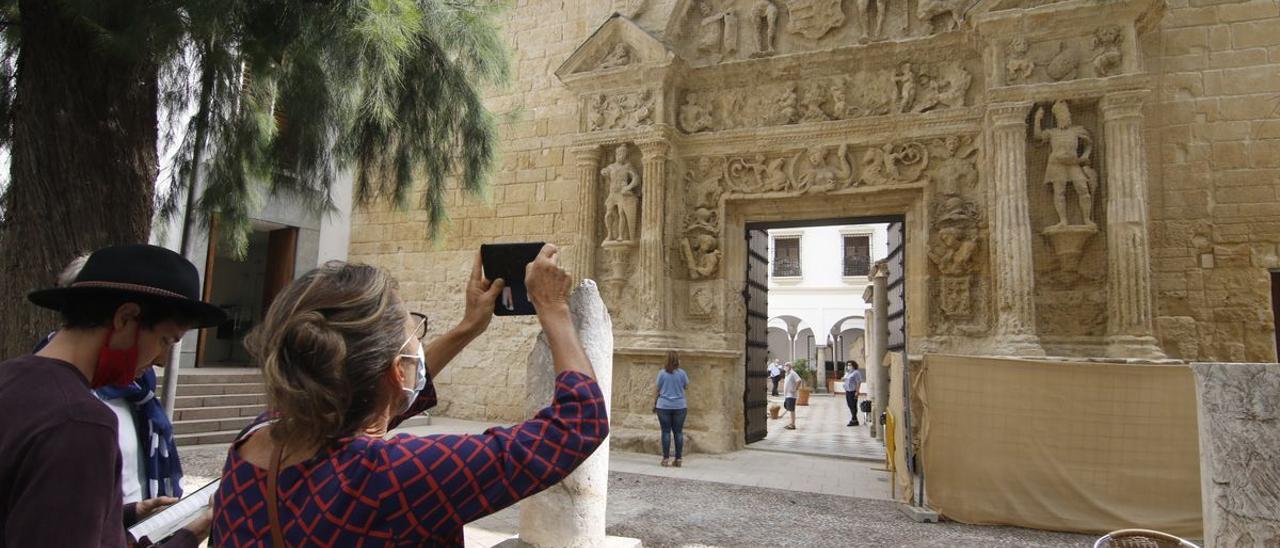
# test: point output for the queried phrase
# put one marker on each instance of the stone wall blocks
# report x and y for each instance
(1186, 41)
(1221, 131)
(1264, 154)
(1247, 71)
(1254, 34)
(1230, 155)
(1191, 17)
(1248, 11)
(1220, 38)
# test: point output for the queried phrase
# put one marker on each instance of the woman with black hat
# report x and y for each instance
(59, 463)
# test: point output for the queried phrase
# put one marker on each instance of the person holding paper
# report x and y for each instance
(343, 362)
(59, 460)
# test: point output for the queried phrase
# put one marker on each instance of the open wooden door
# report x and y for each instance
(282, 250)
(755, 399)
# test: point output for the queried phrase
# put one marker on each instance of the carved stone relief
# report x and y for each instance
(909, 89)
(1096, 55)
(716, 31)
(814, 18)
(622, 203)
(1239, 431)
(627, 110)
(619, 56)
(701, 243)
(956, 234)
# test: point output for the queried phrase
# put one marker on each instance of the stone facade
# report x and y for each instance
(1077, 178)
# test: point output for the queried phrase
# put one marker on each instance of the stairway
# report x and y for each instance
(215, 404)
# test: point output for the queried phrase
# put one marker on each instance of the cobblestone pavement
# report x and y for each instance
(678, 511)
(821, 430)
(667, 512)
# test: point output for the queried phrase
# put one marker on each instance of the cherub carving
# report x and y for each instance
(619, 56)
(595, 113)
(1106, 41)
(905, 81)
(954, 169)
(1019, 67)
(788, 104)
(702, 256)
(693, 116)
(811, 105)
(954, 252)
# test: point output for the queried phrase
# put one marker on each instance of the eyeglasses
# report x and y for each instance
(419, 331)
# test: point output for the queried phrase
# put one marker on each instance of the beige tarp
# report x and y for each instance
(1064, 446)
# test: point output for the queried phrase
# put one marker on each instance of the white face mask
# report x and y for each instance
(411, 394)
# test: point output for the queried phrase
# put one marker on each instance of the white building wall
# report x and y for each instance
(822, 296)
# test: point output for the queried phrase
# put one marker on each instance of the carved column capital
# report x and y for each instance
(1125, 104)
(587, 155)
(1004, 115)
(654, 150)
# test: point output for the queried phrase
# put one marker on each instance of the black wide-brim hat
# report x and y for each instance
(152, 273)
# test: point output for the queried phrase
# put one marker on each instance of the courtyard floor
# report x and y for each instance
(821, 429)
(746, 498)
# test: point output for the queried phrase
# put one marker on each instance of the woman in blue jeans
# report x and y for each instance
(670, 405)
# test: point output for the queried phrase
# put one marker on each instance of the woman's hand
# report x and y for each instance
(548, 283)
(481, 294)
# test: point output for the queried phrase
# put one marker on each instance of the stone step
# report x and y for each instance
(186, 377)
(202, 426)
(196, 402)
(220, 389)
(229, 435)
(221, 412)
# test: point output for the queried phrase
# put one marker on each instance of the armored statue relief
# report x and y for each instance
(622, 204)
(764, 26)
(1070, 156)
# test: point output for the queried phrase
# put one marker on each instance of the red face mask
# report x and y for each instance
(116, 367)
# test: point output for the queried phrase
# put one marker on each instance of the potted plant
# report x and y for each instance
(806, 373)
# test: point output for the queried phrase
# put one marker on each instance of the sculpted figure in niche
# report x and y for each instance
(764, 19)
(1106, 41)
(871, 16)
(905, 81)
(1070, 156)
(619, 56)
(622, 204)
(693, 116)
(1018, 67)
(718, 30)
(702, 256)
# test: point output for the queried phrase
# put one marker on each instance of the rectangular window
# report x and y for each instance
(786, 257)
(857, 255)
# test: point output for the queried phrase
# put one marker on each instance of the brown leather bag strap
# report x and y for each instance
(273, 510)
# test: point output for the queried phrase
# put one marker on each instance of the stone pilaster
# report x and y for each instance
(584, 256)
(650, 266)
(1011, 232)
(1129, 323)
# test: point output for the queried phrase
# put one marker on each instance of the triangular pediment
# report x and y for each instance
(618, 45)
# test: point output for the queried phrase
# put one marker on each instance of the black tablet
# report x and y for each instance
(508, 261)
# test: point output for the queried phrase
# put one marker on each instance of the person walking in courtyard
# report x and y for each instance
(344, 363)
(791, 391)
(60, 465)
(775, 375)
(853, 378)
(671, 406)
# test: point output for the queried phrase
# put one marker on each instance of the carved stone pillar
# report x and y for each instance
(1129, 323)
(584, 256)
(878, 325)
(650, 266)
(1011, 233)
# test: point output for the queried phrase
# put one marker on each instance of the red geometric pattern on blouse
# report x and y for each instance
(410, 490)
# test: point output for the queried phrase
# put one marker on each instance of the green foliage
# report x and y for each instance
(807, 373)
(265, 96)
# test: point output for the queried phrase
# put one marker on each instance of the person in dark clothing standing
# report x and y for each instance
(853, 378)
(59, 460)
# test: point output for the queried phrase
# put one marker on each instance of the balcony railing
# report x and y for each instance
(783, 268)
(857, 266)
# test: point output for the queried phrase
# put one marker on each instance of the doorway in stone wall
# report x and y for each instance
(804, 297)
